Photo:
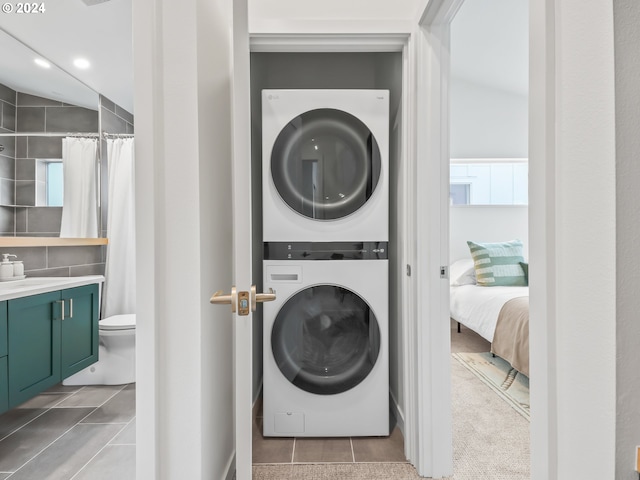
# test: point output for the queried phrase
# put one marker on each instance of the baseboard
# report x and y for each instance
(397, 412)
(231, 468)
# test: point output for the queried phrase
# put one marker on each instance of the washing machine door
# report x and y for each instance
(325, 164)
(325, 339)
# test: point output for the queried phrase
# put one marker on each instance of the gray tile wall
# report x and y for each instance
(38, 221)
(60, 261)
(21, 112)
(44, 115)
(7, 158)
(38, 114)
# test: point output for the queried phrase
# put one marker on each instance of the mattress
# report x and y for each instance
(478, 307)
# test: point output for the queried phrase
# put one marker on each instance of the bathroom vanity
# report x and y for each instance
(48, 332)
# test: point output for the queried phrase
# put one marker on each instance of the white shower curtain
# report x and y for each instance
(80, 201)
(119, 295)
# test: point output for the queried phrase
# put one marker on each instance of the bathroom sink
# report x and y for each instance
(34, 285)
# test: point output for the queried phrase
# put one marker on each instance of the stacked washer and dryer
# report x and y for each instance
(325, 184)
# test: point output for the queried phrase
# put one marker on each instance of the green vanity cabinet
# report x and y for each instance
(34, 345)
(79, 329)
(50, 337)
(4, 377)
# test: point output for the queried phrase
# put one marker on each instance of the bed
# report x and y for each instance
(500, 314)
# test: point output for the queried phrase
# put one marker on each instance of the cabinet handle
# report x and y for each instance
(71, 308)
(61, 302)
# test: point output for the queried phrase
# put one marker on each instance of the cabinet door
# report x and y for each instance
(79, 329)
(4, 385)
(4, 379)
(3, 329)
(34, 345)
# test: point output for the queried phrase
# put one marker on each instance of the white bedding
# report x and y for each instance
(478, 307)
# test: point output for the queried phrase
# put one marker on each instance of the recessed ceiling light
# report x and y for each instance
(42, 63)
(81, 63)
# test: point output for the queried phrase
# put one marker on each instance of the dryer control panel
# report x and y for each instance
(326, 251)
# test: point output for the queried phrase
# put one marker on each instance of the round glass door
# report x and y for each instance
(325, 164)
(325, 339)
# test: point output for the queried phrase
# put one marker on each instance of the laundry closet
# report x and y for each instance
(361, 256)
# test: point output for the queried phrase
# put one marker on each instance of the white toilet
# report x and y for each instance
(117, 355)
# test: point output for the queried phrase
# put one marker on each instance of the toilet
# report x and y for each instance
(117, 357)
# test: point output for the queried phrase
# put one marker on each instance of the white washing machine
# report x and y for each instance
(326, 357)
(325, 168)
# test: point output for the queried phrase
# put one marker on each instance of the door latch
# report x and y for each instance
(444, 271)
(243, 303)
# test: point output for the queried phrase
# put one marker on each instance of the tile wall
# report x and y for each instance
(7, 159)
(20, 112)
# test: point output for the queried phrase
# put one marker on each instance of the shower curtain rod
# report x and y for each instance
(50, 134)
(117, 135)
(67, 134)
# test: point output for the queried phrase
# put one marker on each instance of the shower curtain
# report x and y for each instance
(119, 293)
(80, 200)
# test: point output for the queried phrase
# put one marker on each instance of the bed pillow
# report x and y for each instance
(462, 272)
(498, 264)
(525, 267)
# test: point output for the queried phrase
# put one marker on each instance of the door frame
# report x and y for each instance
(432, 393)
(429, 342)
(378, 42)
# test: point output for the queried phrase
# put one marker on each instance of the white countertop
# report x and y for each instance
(34, 285)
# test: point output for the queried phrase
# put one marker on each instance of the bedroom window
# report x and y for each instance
(489, 181)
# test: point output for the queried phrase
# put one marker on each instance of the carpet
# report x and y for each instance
(511, 385)
(334, 471)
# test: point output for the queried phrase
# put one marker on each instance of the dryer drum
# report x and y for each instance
(325, 339)
(325, 164)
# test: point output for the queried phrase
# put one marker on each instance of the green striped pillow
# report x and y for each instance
(498, 264)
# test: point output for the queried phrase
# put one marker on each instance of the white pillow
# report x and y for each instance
(462, 272)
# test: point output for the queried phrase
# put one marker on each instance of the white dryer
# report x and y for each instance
(326, 357)
(325, 174)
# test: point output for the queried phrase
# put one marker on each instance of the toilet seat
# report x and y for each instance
(118, 322)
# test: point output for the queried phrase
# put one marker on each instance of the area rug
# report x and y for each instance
(511, 385)
(335, 471)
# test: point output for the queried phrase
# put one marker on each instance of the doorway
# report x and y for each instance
(488, 203)
(335, 70)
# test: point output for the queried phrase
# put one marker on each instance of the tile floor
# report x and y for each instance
(79, 433)
(270, 450)
(88, 433)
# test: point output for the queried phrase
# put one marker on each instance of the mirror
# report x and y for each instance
(37, 105)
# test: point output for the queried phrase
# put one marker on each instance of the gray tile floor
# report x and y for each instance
(272, 450)
(79, 433)
(88, 433)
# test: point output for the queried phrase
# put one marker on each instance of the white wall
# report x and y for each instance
(487, 122)
(627, 39)
(572, 241)
(488, 223)
(294, 16)
(183, 170)
(585, 202)
(489, 85)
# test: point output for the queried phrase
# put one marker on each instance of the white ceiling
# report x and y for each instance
(489, 44)
(66, 30)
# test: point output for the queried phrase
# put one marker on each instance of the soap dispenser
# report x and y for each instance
(6, 267)
(18, 269)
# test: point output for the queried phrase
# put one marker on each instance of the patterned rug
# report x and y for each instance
(498, 375)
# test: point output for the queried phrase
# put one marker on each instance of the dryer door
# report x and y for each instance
(325, 339)
(325, 164)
